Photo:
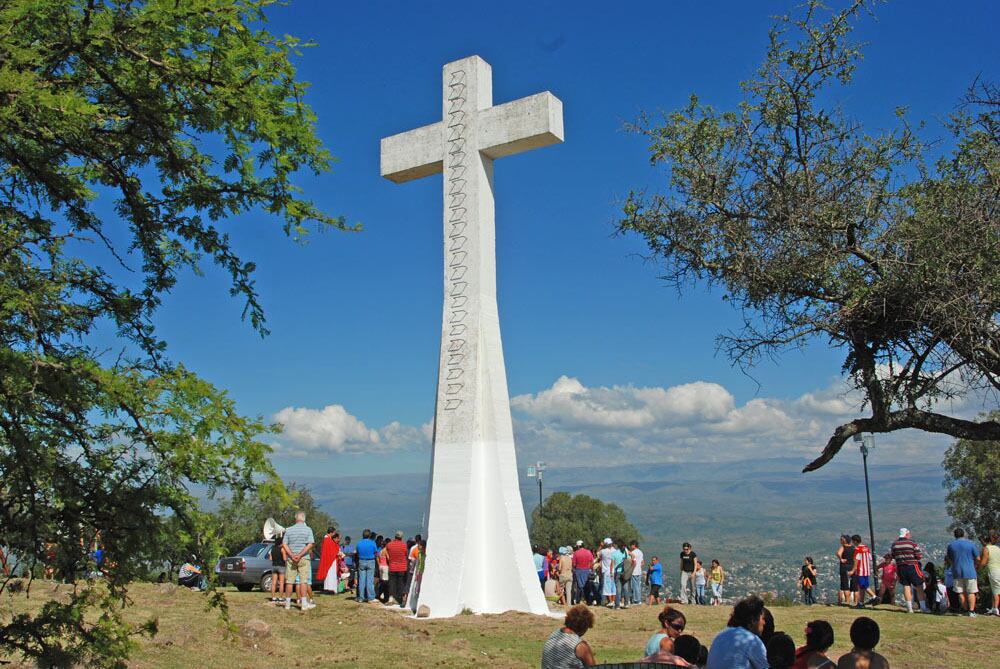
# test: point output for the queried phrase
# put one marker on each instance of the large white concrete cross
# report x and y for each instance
(478, 554)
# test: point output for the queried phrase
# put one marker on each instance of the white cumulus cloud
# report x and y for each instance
(334, 430)
(572, 422)
(696, 421)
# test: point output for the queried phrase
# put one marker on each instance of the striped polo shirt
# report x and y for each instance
(906, 551)
(297, 537)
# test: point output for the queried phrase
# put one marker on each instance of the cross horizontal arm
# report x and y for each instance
(413, 154)
(521, 125)
(513, 127)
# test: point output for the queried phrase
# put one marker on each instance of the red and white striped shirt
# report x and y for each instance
(862, 560)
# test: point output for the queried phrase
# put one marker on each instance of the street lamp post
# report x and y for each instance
(867, 442)
(535, 471)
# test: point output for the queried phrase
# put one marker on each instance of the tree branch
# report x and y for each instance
(907, 418)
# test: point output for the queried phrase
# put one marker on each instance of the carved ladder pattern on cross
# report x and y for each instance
(456, 244)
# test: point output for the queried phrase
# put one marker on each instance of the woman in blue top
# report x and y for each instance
(672, 624)
(654, 576)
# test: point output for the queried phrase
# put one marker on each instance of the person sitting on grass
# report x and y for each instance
(689, 648)
(672, 624)
(780, 651)
(819, 638)
(191, 576)
(666, 657)
(739, 645)
(673, 648)
(565, 648)
(865, 636)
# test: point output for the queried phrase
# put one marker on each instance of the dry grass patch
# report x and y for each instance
(342, 633)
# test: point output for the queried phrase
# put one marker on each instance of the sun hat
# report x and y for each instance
(902, 532)
(399, 534)
(607, 541)
(579, 542)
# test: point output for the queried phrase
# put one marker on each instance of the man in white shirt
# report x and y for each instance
(640, 569)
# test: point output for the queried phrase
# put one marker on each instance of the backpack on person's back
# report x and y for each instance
(626, 568)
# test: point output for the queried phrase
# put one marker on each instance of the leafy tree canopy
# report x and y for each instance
(972, 477)
(241, 519)
(115, 101)
(816, 227)
(564, 519)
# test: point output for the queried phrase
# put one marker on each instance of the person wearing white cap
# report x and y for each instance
(606, 555)
(907, 556)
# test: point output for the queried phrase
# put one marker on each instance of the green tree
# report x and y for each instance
(564, 519)
(240, 520)
(817, 228)
(972, 477)
(175, 115)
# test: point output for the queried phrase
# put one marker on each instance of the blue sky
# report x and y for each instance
(604, 361)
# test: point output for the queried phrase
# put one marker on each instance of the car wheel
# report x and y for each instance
(265, 582)
(244, 587)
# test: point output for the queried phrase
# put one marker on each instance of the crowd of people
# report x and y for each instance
(616, 574)
(749, 641)
(952, 588)
(376, 568)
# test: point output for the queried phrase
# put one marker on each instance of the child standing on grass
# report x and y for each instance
(717, 577)
(700, 581)
(807, 581)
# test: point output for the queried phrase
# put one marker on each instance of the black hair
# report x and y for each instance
(702, 657)
(865, 633)
(670, 616)
(856, 538)
(347, 539)
(768, 631)
(366, 534)
(959, 533)
(810, 560)
(780, 651)
(819, 635)
(688, 647)
(747, 613)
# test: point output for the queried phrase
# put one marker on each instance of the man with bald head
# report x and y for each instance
(299, 542)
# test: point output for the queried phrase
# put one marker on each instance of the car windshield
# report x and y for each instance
(253, 550)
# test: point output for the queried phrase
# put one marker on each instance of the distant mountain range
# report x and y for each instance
(749, 511)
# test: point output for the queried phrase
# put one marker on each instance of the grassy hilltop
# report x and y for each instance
(341, 633)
